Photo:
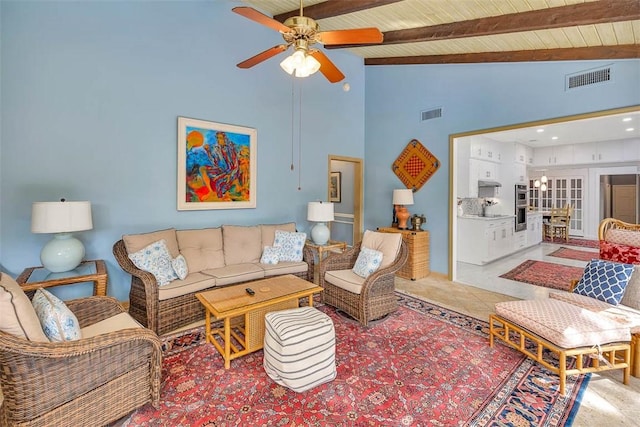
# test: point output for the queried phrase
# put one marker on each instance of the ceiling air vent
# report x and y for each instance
(431, 114)
(600, 75)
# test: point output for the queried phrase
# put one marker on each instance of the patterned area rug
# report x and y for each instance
(574, 254)
(423, 365)
(546, 274)
(585, 243)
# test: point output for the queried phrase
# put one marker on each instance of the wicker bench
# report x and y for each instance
(541, 328)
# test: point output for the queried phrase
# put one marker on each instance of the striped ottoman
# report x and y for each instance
(299, 348)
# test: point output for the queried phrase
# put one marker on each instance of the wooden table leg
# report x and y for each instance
(227, 342)
(207, 327)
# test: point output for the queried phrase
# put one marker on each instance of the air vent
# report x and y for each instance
(431, 114)
(600, 75)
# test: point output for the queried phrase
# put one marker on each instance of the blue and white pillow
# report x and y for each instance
(179, 265)
(290, 245)
(58, 322)
(604, 280)
(270, 255)
(368, 262)
(156, 259)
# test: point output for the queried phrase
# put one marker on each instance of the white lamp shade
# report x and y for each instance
(60, 217)
(403, 197)
(320, 211)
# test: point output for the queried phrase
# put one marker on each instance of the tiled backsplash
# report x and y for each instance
(473, 205)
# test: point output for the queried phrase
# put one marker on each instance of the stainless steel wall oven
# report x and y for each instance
(521, 207)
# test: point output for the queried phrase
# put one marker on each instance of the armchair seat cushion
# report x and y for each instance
(345, 279)
(111, 324)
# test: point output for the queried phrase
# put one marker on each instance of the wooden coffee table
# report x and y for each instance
(243, 314)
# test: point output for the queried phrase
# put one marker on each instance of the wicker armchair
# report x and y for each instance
(89, 382)
(377, 297)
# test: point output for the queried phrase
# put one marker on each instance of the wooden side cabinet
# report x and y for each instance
(417, 265)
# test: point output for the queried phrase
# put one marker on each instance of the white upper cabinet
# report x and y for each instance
(553, 156)
(602, 152)
(521, 156)
(631, 149)
(485, 149)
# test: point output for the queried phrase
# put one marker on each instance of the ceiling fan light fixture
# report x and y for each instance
(301, 63)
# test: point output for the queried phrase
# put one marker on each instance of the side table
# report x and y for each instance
(94, 271)
(332, 245)
(417, 265)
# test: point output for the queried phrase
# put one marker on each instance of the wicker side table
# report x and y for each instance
(417, 265)
(94, 271)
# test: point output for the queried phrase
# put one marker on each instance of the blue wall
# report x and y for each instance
(472, 97)
(91, 92)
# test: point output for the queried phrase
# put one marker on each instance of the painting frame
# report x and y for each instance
(335, 187)
(212, 165)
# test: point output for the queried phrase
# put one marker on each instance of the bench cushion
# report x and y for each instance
(563, 324)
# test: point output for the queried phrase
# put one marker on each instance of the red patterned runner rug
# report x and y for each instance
(584, 243)
(574, 254)
(546, 274)
(422, 365)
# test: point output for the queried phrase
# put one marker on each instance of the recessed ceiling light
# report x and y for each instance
(539, 130)
(554, 137)
(627, 119)
(630, 129)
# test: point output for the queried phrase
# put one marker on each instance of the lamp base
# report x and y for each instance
(63, 253)
(320, 234)
(403, 215)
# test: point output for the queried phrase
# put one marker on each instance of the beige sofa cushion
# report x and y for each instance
(201, 248)
(17, 315)
(242, 244)
(236, 273)
(269, 232)
(114, 323)
(135, 242)
(387, 243)
(194, 282)
(284, 267)
(631, 297)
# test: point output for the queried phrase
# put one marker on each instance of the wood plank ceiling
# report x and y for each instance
(466, 31)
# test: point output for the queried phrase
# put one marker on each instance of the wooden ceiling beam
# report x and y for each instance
(596, 12)
(629, 51)
(331, 8)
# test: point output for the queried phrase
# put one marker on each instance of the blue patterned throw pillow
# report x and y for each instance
(604, 280)
(156, 259)
(290, 245)
(58, 322)
(368, 262)
(179, 265)
(270, 255)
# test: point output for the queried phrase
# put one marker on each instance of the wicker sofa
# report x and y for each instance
(215, 257)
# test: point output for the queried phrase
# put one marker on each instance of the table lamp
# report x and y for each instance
(320, 212)
(64, 252)
(401, 198)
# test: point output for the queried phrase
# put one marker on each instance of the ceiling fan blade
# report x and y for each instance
(262, 56)
(327, 67)
(355, 36)
(261, 18)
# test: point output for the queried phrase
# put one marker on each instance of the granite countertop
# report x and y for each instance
(487, 217)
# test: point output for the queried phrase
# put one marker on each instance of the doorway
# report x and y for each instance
(619, 197)
(345, 190)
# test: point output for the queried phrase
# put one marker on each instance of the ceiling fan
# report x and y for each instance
(301, 32)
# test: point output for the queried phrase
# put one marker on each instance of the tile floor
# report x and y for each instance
(477, 288)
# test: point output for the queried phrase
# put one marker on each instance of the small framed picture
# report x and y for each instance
(335, 187)
(216, 165)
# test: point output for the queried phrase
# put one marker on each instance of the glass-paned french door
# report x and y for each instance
(560, 193)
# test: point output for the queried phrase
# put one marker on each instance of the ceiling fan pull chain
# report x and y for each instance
(292, 123)
(300, 139)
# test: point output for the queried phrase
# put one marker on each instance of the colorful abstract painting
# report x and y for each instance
(216, 165)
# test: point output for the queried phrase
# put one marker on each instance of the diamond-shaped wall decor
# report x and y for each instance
(415, 165)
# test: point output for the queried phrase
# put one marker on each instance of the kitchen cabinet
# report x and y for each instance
(631, 149)
(482, 240)
(534, 228)
(600, 152)
(553, 156)
(483, 149)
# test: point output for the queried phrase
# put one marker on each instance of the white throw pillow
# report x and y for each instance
(270, 255)
(368, 262)
(290, 245)
(179, 265)
(155, 259)
(58, 322)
